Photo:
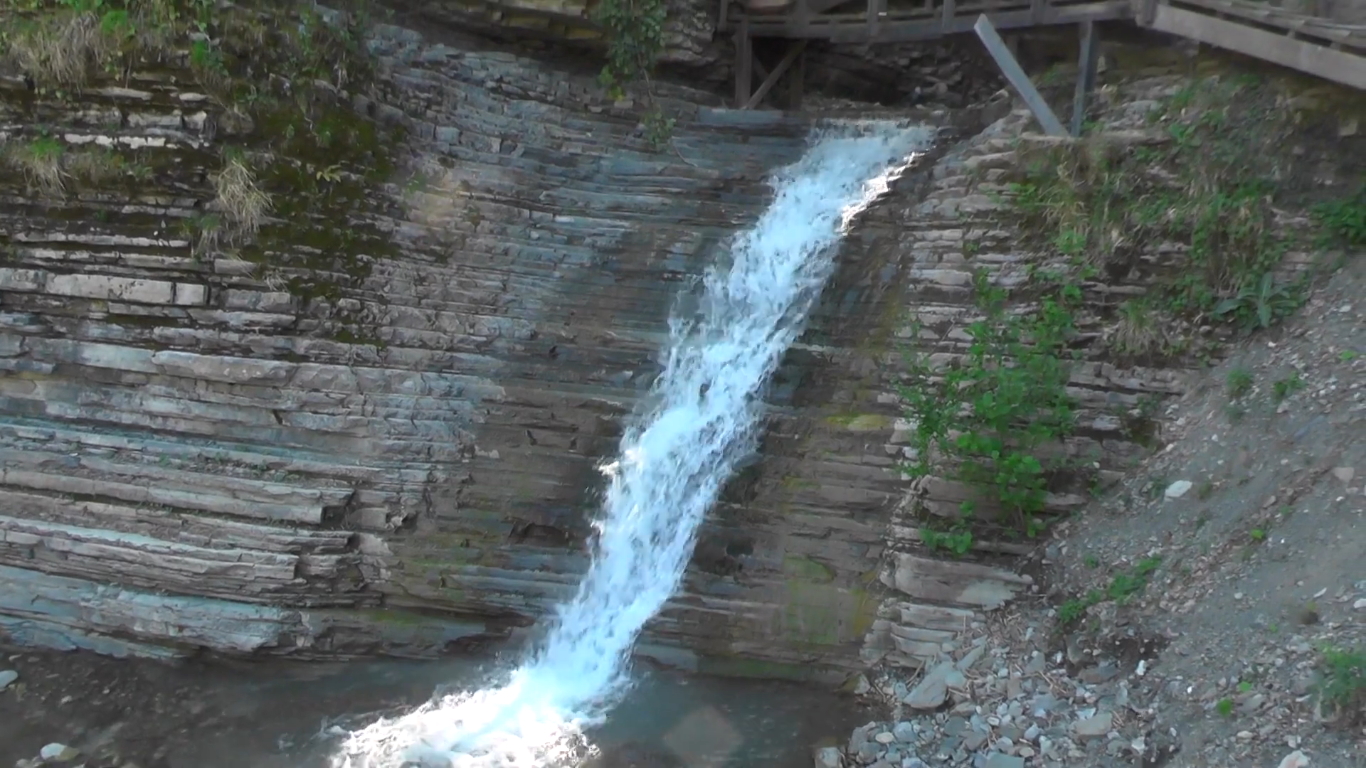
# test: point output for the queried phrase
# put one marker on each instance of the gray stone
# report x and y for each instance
(58, 753)
(904, 732)
(999, 760)
(1093, 727)
(1177, 489)
(932, 689)
(828, 757)
(7, 678)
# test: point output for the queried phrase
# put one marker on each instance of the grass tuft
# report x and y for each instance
(1342, 686)
(40, 163)
(240, 199)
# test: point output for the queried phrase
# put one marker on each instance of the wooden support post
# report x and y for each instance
(1017, 77)
(946, 14)
(794, 50)
(1147, 12)
(796, 83)
(1086, 73)
(1036, 10)
(876, 8)
(744, 64)
(722, 23)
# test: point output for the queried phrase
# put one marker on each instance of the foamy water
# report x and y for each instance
(671, 466)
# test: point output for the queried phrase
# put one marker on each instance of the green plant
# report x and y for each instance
(1140, 329)
(1283, 388)
(1238, 382)
(985, 419)
(1209, 186)
(1343, 222)
(1071, 610)
(635, 39)
(1347, 355)
(1260, 304)
(40, 162)
(957, 542)
(1123, 586)
(1342, 684)
(1224, 707)
(1258, 535)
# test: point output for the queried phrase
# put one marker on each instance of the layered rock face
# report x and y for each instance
(374, 429)
(393, 399)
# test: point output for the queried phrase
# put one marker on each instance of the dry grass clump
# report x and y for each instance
(94, 166)
(49, 167)
(40, 163)
(1140, 330)
(60, 49)
(240, 199)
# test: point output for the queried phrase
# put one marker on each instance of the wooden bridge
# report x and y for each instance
(1318, 41)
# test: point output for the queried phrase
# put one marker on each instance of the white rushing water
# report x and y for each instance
(672, 464)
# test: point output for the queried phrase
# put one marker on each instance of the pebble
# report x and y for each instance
(828, 757)
(7, 678)
(59, 753)
(1093, 727)
(1178, 489)
(1296, 759)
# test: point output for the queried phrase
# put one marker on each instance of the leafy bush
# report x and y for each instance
(983, 419)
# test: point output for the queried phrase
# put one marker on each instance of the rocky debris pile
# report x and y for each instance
(1092, 696)
(992, 708)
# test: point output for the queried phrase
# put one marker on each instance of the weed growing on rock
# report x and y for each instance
(1283, 388)
(1238, 383)
(49, 166)
(1203, 181)
(58, 44)
(635, 40)
(993, 418)
(40, 162)
(243, 205)
(1123, 587)
(1343, 222)
(1342, 687)
(95, 165)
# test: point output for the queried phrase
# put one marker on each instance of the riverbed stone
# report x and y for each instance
(931, 691)
(828, 757)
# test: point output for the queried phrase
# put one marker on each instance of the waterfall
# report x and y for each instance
(671, 466)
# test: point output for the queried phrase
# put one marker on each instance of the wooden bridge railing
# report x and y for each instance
(1331, 49)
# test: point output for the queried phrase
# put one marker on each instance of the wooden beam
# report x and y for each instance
(947, 14)
(793, 51)
(796, 83)
(1147, 10)
(1326, 63)
(722, 15)
(855, 30)
(876, 8)
(1017, 77)
(1086, 73)
(744, 62)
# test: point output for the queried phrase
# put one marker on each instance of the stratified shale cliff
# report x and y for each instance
(391, 395)
(315, 352)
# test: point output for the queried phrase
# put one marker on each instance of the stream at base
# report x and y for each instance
(291, 714)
